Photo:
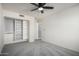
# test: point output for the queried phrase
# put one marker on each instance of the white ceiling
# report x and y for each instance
(26, 7)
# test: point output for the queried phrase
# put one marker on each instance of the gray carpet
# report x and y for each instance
(37, 48)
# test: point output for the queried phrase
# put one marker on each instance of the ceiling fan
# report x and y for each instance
(41, 7)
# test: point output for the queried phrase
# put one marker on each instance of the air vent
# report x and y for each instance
(21, 15)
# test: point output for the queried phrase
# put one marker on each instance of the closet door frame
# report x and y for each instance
(14, 30)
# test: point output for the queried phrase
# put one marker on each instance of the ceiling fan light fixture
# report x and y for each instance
(40, 8)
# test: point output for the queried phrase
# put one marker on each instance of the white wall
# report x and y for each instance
(62, 28)
(1, 29)
(36, 29)
(33, 30)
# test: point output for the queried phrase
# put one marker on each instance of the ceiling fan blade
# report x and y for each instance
(41, 4)
(34, 9)
(48, 7)
(42, 11)
(34, 4)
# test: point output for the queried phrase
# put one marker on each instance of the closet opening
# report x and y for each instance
(16, 30)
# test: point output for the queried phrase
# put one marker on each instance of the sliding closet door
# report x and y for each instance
(18, 30)
(25, 30)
